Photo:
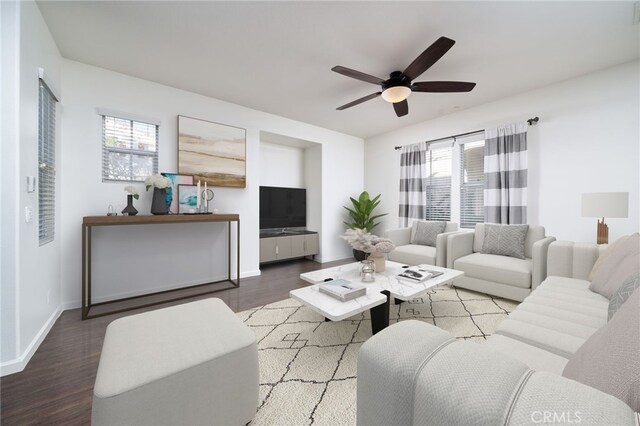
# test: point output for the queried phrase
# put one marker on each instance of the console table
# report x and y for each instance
(88, 222)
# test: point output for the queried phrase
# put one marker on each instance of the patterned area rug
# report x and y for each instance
(308, 366)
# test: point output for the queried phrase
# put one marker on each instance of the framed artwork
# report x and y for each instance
(187, 198)
(212, 152)
(172, 192)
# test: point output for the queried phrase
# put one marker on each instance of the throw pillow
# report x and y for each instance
(622, 294)
(624, 260)
(505, 240)
(605, 255)
(426, 232)
(610, 359)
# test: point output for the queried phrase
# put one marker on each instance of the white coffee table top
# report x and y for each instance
(388, 280)
(334, 309)
(398, 288)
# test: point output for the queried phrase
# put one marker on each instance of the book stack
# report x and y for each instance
(342, 289)
(418, 274)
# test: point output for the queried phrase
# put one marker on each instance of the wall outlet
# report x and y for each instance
(28, 214)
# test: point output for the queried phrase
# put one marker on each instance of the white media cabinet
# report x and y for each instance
(288, 245)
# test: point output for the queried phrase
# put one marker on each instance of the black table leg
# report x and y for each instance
(380, 315)
(397, 301)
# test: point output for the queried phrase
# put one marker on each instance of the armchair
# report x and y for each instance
(416, 254)
(498, 275)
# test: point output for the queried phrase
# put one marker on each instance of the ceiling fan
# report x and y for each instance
(397, 88)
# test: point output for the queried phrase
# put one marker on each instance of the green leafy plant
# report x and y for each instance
(361, 213)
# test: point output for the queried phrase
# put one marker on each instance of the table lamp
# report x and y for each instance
(605, 204)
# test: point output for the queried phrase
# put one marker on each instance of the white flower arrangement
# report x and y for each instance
(157, 181)
(364, 241)
(132, 190)
(383, 245)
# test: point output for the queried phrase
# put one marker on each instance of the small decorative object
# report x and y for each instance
(382, 247)
(172, 192)
(367, 271)
(212, 152)
(188, 200)
(160, 185)
(132, 193)
(111, 211)
(364, 242)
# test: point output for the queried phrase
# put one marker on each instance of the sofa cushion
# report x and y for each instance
(504, 240)
(622, 294)
(536, 359)
(610, 359)
(623, 260)
(414, 254)
(426, 232)
(602, 259)
(499, 269)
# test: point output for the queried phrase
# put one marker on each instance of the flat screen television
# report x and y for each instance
(282, 207)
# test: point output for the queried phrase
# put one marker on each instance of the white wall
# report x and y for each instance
(281, 165)
(587, 140)
(313, 182)
(87, 88)
(33, 291)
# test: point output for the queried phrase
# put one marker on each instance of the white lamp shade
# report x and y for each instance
(605, 204)
(396, 94)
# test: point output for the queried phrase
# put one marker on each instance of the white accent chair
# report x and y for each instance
(502, 276)
(417, 254)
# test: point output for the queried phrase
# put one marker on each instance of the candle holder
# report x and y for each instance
(205, 196)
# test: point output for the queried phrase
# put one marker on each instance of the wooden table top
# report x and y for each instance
(166, 218)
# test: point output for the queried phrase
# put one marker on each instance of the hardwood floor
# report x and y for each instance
(57, 385)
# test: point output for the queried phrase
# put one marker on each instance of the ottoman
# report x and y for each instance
(195, 363)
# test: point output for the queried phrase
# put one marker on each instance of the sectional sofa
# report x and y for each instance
(519, 375)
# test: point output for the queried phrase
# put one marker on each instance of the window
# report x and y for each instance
(129, 149)
(471, 184)
(46, 164)
(438, 183)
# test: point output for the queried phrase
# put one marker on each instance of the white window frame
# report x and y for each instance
(106, 150)
(434, 147)
(47, 111)
(465, 221)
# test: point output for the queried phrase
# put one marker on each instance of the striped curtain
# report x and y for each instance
(413, 195)
(505, 168)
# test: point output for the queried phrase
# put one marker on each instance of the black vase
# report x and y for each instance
(359, 255)
(159, 202)
(129, 210)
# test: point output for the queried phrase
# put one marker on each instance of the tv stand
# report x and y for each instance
(286, 245)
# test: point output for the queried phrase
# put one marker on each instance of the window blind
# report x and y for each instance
(471, 184)
(46, 164)
(438, 183)
(129, 149)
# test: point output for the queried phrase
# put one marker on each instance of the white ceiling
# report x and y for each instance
(277, 56)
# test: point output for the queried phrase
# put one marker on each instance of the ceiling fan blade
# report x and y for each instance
(359, 101)
(442, 86)
(357, 75)
(401, 108)
(428, 57)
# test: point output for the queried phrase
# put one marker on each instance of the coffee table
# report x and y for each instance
(379, 293)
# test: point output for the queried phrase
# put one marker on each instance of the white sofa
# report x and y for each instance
(502, 276)
(513, 378)
(417, 254)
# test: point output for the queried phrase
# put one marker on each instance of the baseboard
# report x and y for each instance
(332, 259)
(78, 303)
(19, 364)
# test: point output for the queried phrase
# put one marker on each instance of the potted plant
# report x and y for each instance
(362, 217)
(361, 213)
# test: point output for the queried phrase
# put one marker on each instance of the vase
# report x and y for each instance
(129, 210)
(159, 202)
(367, 271)
(359, 255)
(379, 261)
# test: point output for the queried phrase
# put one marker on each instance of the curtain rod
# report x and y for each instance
(532, 121)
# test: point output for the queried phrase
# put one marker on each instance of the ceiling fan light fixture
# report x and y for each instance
(396, 94)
